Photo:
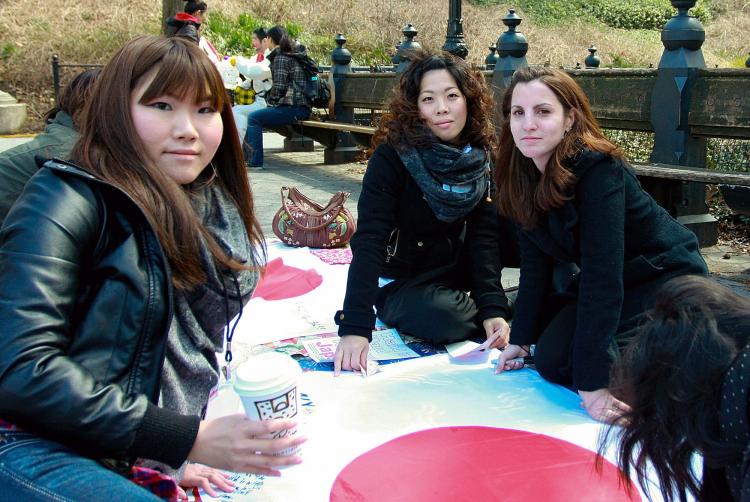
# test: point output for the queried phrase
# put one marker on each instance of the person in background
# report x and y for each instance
(119, 274)
(427, 231)
(595, 247)
(188, 24)
(18, 164)
(286, 99)
(686, 377)
(257, 73)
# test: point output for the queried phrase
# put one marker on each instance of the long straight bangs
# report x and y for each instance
(184, 73)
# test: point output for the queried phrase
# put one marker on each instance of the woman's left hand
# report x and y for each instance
(601, 405)
(497, 326)
(204, 477)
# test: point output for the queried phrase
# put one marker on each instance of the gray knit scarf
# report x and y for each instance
(191, 368)
(453, 180)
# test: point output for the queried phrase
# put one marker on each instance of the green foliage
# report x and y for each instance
(738, 62)
(723, 154)
(552, 11)
(7, 50)
(231, 36)
(294, 29)
(636, 145)
(235, 36)
(619, 61)
(319, 47)
(625, 14)
(643, 14)
(728, 155)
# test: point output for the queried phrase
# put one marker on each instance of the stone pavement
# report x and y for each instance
(306, 171)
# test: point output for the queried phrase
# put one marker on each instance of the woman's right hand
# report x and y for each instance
(351, 354)
(509, 358)
(237, 444)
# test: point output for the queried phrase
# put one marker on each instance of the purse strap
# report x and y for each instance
(291, 196)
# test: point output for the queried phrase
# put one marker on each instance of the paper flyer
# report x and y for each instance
(468, 351)
(386, 345)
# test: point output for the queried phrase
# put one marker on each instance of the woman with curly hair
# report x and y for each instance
(686, 376)
(594, 245)
(427, 230)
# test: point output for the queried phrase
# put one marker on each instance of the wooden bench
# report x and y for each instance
(734, 186)
(324, 132)
(682, 173)
(327, 133)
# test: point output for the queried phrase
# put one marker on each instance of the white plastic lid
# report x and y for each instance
(266, 373)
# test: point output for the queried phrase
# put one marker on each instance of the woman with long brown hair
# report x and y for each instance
(119, 274)
(594, 246)
(427, 230)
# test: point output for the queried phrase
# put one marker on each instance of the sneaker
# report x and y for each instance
(255, 168)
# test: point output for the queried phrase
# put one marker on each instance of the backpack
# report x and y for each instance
(316, 89)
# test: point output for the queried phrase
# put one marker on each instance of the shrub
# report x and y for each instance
(728, 154)
(643, 14)
(632, 14)
(236, 36)
(7, 50)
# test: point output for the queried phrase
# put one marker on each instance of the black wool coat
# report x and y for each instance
(620, 238)
(399, 237)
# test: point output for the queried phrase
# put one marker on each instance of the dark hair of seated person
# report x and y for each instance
(73, 96)
(671, 374)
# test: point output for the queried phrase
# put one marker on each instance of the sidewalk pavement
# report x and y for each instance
(306, 171)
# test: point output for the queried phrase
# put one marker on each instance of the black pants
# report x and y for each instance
(433, 312)
(434, 306)
(554, 348)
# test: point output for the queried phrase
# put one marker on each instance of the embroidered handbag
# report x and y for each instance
(303, 222)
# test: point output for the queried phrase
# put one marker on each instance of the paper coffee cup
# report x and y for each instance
(267, 386)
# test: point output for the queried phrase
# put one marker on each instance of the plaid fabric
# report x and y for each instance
(156, 482)
(288, 81)
(243, 96)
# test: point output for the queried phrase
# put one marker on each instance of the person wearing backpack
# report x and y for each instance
(287, 100)
(257, 73)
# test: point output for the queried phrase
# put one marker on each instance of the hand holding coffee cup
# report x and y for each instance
(234, 443)
(267, 386)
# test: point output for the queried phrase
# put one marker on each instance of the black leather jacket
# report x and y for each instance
(85, 307)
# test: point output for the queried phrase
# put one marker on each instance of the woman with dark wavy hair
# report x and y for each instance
(427, 231)
(686, 376)
(120, 272)
(595, 247)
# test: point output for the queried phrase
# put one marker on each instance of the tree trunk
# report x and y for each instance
(169, 8)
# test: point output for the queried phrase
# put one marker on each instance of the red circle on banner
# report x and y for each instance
(280, 281)
(478, 464)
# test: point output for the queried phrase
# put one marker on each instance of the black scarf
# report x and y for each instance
(453, 180)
